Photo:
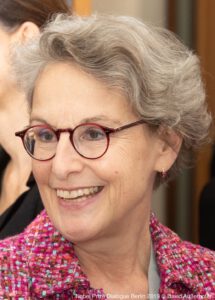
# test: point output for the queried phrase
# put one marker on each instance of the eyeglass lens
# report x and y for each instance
(90, 141)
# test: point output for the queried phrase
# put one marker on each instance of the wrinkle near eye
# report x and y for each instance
(121, 136)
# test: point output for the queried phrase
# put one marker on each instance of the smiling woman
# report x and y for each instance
(115, 105)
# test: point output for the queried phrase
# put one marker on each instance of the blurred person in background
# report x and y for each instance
(20, 20)
(116, 108)
(207, 210)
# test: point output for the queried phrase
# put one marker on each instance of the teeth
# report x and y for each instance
(77, 193)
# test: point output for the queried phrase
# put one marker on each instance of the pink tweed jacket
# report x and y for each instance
(41, 264)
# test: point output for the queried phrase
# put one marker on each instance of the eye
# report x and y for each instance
(93, 134)
(45, 135)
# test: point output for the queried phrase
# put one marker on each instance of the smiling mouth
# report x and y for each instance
(79, 194)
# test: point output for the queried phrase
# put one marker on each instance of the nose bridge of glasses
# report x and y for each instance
(64, 130)
(69, 132)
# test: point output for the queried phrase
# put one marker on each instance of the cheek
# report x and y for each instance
(118, 175)
(134, 170)
(41, 171)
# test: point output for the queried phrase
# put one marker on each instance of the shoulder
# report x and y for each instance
(201, 258)
(197, 267)
(16, 256)
(31, 261)
(13, 269)
(183, 263)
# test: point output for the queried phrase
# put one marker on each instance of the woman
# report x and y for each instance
(20, 20)
(115, 107)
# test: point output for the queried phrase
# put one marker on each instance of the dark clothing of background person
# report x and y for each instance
(207, 210)
(24, 210)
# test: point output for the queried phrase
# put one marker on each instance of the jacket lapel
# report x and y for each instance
(177, 262)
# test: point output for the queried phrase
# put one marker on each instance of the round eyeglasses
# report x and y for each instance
(90, 140)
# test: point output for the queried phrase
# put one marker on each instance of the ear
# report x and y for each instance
(170, 145)
(25, 31)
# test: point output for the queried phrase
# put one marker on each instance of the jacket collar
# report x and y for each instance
(52, 263)
(176, 261)
(54, 267)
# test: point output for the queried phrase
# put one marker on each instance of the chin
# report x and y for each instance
(76, 230)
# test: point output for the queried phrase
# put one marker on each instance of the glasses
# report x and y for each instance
(90, 140)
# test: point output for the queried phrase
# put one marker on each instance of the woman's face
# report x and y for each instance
(120, 183)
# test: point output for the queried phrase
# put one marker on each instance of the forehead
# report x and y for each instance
(64, 93)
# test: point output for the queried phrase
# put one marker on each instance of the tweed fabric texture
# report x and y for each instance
(41, 264)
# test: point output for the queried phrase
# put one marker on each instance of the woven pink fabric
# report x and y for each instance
(41, 264)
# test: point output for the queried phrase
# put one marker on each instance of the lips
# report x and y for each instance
(78, 193)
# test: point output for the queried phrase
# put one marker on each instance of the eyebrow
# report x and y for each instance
(40, 120)
(101, 118)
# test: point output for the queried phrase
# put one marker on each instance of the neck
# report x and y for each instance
(117, 259)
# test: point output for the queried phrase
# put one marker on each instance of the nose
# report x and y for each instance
(66, 159)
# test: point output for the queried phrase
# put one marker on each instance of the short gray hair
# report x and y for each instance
(149, 65)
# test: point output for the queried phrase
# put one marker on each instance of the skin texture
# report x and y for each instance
(119, 214)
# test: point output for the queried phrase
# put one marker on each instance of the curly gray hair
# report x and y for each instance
(149, 65)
